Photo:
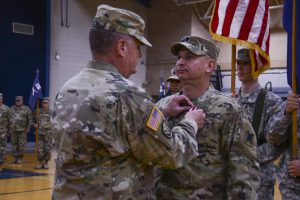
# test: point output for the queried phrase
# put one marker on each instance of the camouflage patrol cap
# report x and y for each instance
(45, 99)
(121, 21)
(19, 98)
(173, 77)
(243, 55)
(197, 46)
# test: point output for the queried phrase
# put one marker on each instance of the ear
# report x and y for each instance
(121, 47)
(211, 65)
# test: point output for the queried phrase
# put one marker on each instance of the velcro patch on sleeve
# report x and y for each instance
(249, 139)
(154, 119)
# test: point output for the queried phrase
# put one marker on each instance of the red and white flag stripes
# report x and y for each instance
(245, 23)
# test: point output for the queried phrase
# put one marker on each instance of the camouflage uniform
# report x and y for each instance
(266, 153)
(289, 186)
(106, 149)
(20, 120)
(3, 131)
(42, 118)
(226, 167)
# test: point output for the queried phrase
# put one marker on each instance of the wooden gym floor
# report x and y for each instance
(24, 182)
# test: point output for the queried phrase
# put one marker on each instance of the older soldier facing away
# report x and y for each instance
(260, 106)
(289, 167)
(226, 167)
(110, 134)
(20, 120)
(4, 110)
(42, 121)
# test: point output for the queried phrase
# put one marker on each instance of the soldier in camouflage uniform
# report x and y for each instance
(20, 120)
(248, 96)
(43, 123)
(174, 83)
(226, 167)
(3, 129)
(110, 135)
(288, 166)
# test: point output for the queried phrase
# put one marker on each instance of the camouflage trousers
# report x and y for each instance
(265, 192)
(3, 141)
(289, 193)
(44, 145)
(18, 142)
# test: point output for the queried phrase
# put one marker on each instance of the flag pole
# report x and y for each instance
(233, 61)
(294, 84)
(37, 130)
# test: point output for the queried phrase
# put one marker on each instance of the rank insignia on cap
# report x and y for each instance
(154, 119)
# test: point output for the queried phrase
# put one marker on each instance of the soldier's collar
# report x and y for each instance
(207, 92)
(96, 64)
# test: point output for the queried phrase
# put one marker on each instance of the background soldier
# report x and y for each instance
(110, 134)
(289, 167)
(175, 85)
(20, 120)
(226, 167)
(260, 106)
(3, 129)
(43, 123)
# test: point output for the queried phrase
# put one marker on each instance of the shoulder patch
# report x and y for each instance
(249, 139)
(154, 119)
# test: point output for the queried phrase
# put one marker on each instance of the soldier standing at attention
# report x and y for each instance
(110, 135)
(260, 106)
(226, 166)
(289, 167)
(3, 129)
(42, 121)
(20, 120)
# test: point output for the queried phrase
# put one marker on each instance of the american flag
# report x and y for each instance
(245, 23)
(154, 119)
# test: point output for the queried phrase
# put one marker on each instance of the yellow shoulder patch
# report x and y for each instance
(154, 119)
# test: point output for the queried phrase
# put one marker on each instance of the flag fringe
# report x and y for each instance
(235, 41)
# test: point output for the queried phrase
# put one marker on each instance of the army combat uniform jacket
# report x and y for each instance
(111, 136)
(266, 153)
(226, 167)
(4, 119)
(20, 118)
(43, 119)
(282, 138)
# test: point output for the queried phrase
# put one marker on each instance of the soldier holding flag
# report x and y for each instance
(287, 116)
(42, 122)
(35, 95)
(288, 168)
